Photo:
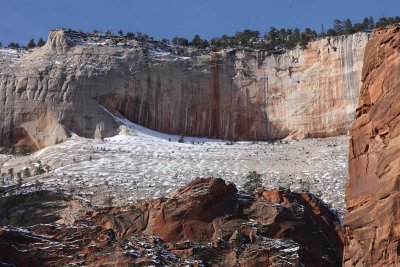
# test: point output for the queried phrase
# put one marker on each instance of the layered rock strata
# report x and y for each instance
(74, 83)
(373, 187)
(206, 223)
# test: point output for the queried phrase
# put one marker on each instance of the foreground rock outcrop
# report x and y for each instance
(373, 188)
(206, 223)
(77, 81)
(38, 207)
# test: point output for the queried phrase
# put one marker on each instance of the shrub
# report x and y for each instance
(16, 219)
(109, 200)
(39, 170)
(19, 180)
(11, 173)
(253, 182)
(59, 141)
(27, 172)
(26, 150)
(165, 41)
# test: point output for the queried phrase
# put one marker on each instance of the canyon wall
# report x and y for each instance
(372, 223)
(314, 92)
(73, 83)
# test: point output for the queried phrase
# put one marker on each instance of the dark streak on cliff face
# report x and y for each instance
(216, 90)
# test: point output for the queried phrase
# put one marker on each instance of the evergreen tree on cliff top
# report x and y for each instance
(41, 42)
(31, 43)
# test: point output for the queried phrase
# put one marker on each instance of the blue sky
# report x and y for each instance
(25, 19)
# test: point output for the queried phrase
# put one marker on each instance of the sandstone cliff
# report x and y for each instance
(372, 192)
(71, 83)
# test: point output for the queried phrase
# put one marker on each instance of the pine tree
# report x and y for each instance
(338, 26)
(322, 33)
(197, 41)
(130, 35)
(31, 43)
(371, 25)
(13, 45)
(365, 24)
(272, 37)
(216, 41)
(41, 42)
(304, 39)
(180, 41)
(165, 41)
(382, 22)
(348, 26)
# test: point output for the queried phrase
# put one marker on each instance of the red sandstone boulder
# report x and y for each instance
(189, 213)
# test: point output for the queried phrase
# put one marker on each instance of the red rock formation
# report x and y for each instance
(372, 224)
(189, 213)
(207, 222)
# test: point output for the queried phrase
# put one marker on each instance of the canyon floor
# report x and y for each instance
(141, 164)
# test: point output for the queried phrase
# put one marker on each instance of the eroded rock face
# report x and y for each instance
(207, 223)
(314, 92)
(75, 81)
(26, 209)
(372, 191)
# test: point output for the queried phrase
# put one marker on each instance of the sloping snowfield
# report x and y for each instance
(141, 163)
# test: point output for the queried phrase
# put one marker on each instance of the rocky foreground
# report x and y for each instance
(206, 223)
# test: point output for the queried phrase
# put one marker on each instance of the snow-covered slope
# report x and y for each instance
(140, 163)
